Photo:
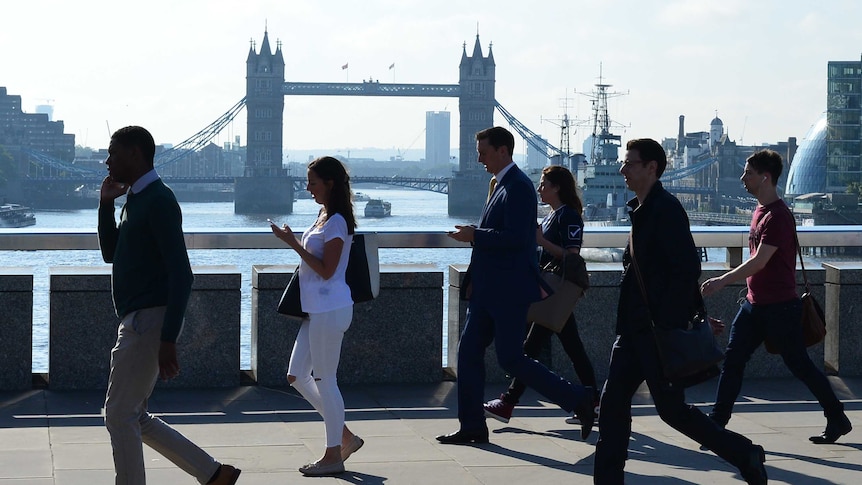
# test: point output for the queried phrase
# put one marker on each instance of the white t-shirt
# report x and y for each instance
(318, 295)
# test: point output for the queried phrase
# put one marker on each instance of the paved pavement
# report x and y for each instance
(49, 437)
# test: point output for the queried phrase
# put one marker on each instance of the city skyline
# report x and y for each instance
(175, 68)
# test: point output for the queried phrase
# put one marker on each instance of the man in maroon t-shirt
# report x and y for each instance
(772, 308)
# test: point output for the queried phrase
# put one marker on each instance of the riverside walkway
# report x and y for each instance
(57, 438)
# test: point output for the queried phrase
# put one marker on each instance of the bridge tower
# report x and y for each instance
(264, 187)
(468, 187)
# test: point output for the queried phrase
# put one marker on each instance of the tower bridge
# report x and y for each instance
(266, 187)
(259, 191)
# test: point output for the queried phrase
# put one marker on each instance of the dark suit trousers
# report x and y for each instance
(634, 358)
(502, 323)
(539, 337)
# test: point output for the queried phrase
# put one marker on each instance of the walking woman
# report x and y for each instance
(325, 296)
(561, 232)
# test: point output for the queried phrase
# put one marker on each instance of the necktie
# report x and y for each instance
(491, 186)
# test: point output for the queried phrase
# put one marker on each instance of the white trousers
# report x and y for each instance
(318, 349)
(134, 370)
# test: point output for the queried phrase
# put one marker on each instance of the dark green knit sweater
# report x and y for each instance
(150, 263)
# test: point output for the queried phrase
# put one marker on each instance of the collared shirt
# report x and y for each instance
(499, 175)
(145, 180)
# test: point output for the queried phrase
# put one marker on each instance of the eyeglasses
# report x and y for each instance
(629, 163)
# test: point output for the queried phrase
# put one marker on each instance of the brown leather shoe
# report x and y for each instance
(227, 475)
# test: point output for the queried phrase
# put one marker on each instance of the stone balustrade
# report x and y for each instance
(83, 329)
(396, 338)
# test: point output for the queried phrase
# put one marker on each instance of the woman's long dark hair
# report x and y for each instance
(340, 199)
(560, 177)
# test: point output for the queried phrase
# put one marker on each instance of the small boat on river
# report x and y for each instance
(378, 208)
(15, 215)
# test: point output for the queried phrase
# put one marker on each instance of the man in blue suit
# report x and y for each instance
(501, 283)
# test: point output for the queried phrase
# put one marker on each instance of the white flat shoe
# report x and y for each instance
(318, 469)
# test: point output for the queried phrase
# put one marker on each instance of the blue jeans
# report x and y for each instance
(781, 323)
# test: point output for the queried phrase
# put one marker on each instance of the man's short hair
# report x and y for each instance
(136, 136)
(767, 161)
(498, 137)
(649, 150)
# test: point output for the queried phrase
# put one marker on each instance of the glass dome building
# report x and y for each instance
(808, 170)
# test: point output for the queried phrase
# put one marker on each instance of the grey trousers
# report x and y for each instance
(134, 370)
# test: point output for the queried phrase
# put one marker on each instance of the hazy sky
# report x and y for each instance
(175, 66)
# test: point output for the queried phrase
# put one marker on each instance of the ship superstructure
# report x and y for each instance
(604, 191)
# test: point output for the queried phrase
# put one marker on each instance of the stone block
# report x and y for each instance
(843, 333)
(83, 329)
(595, 314)
(596, 317)
(16, 330)
(396, 338)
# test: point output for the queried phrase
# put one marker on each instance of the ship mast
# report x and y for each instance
(605, 145)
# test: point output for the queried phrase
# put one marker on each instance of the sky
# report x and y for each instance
(174, 66)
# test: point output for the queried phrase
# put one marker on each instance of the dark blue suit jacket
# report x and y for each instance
(503, 267)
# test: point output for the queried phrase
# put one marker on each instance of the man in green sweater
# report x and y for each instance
(151, 282)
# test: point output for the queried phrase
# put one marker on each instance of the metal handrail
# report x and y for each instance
(730, 237)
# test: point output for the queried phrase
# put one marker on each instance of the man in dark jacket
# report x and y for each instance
(151, 282)
(662, 244)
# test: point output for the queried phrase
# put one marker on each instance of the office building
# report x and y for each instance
(436, 138)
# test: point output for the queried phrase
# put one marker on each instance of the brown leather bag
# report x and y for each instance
(813, 318)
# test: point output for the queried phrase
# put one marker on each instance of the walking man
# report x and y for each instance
(663, 248)
(772, 309)
(151, 282)
(502, 280)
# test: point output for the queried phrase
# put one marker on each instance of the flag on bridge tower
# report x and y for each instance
(344, 66)
(392, 66)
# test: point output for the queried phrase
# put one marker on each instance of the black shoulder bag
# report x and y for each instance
(688, 355)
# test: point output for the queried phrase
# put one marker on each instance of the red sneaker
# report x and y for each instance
(499, 410)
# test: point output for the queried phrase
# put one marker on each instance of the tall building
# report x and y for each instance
(536, 159)
(35, 132)
(265, 110)
(476, 78)
(436, 138)
(843, 134)
(264, 188)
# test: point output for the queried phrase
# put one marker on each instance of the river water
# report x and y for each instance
(412, 210)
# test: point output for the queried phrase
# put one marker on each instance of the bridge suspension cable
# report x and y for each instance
(529, 135)
(199, 139)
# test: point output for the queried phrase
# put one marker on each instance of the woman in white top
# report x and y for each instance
(325, 296)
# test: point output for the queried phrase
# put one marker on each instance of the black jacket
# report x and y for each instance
(669, 265)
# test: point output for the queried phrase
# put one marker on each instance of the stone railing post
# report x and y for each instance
(843, 333)
(16, 330)
(396, 338)
(595, 315)
(83, 329)
(725, 305)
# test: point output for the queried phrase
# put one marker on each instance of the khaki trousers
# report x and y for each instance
(134, 370)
